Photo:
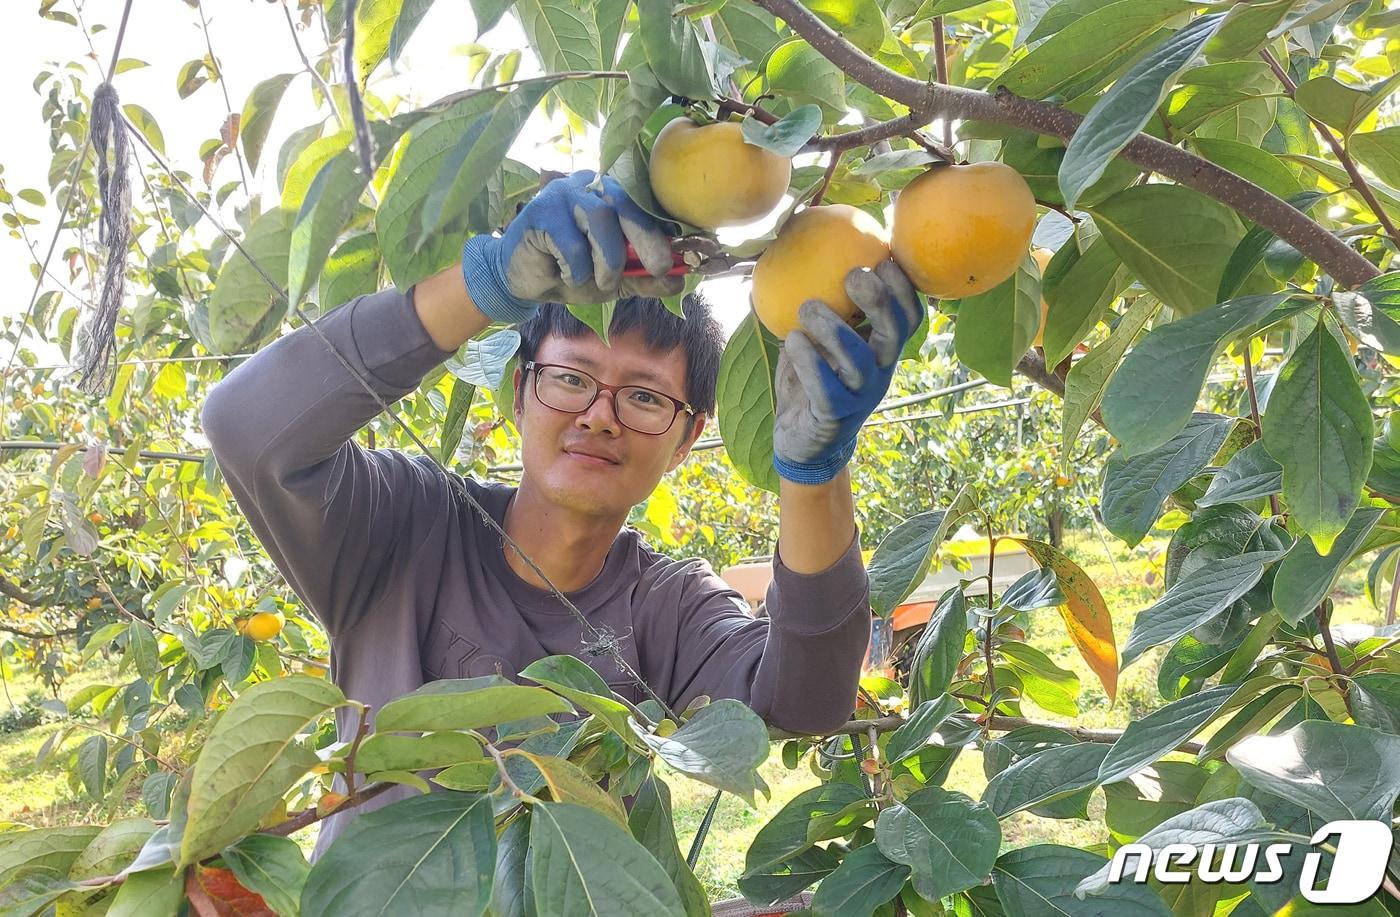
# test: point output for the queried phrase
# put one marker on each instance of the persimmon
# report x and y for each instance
(710, 176)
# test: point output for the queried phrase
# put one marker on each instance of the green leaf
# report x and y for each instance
(747, 402)
(946, 839)
(1078, 288)
(652, 824)
(721, 745)
(1362, 768)
(1120, 114)
(351, 270)
(584, 864)
(995, 329)
(476, 155)
(1086, 54)
(92, 765)
(1249, 474)
(574, 679)
(1250, 162)
(786, 834)
(154, 893)
(1150, 399)
(1134, 488)
(245, 310)
(1247, 28)
(915, 731)
(1367, 322)
(374, 24)
(34, 892)
(466, 703)
(1380, 152)
(273, 867)
(1023, 741)
(801, 75)
(858, 21)
(325, 211)
(426, 855)
(1044, 776)
(566, 37)
(399, 220)
(630, 111)
(145, 122)
(388, 752)
(597, 316)
(1036, 589)
(1234, 820)
(1175, 240)
(53, 849)
(1051, 687)
(1087, 379)
(1216, 585)
(939, 649)
(789, 877)
(407, 23)
(1250, 252)
(788, 135)
(1039, 880)
(1318, 426)
(250, 759)
(1339, 106)
(113, 849)
(865, 880)
(1305, 578)
(902, 559)
(258, 113)
(1375, 696)
(672, 47)
(484, 360)
(1149, 738)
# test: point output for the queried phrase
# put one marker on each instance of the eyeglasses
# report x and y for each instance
(573, 391)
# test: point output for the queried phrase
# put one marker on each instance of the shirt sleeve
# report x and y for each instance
(799, 668)
(330, 514)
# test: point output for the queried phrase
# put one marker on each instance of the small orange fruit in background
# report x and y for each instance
(814, 251)
(262, 626)
(709, 176)
(94, 603)
(961, 230)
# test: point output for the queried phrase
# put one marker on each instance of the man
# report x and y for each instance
(412, 586)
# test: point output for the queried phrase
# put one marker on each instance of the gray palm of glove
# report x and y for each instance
(829, 379)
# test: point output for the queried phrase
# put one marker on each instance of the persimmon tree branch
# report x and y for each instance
(1345, 265)
(997, 722)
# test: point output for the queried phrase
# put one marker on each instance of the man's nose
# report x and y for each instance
(602, 413)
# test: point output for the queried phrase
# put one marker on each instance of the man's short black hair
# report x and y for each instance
(699, 336)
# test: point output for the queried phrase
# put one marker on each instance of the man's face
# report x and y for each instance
(589, 462)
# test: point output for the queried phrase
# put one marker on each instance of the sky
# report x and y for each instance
(252, 41)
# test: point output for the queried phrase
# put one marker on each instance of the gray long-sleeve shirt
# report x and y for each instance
(412, 586)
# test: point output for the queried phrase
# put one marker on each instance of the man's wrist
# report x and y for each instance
(820, 471)
(485, 279)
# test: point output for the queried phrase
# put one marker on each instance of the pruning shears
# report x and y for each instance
(689, 254)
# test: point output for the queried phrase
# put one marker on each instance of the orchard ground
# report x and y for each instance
(1130, 581)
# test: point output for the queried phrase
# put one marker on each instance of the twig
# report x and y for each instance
(1358, 182)
(826, 180)
(1320, 612)
(352, 86)
(1333, 255)
(989, 687)
(315, 74)
(223, 87)
(1374, 653)
(736, 107)
(940, 60)
(360, 733)
(310, 816)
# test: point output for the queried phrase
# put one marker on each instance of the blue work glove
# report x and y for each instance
(568, 245)
(829, 379)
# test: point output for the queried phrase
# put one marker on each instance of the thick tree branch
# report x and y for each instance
(16, 592)
(1333, 255)
(906, 126)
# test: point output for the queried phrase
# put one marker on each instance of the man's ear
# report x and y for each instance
(683, 449)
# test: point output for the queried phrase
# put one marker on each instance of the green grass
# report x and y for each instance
(1129, 579)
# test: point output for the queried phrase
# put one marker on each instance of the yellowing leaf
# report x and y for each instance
(1087, 619)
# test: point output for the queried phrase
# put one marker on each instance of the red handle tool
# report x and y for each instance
(634, 268)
